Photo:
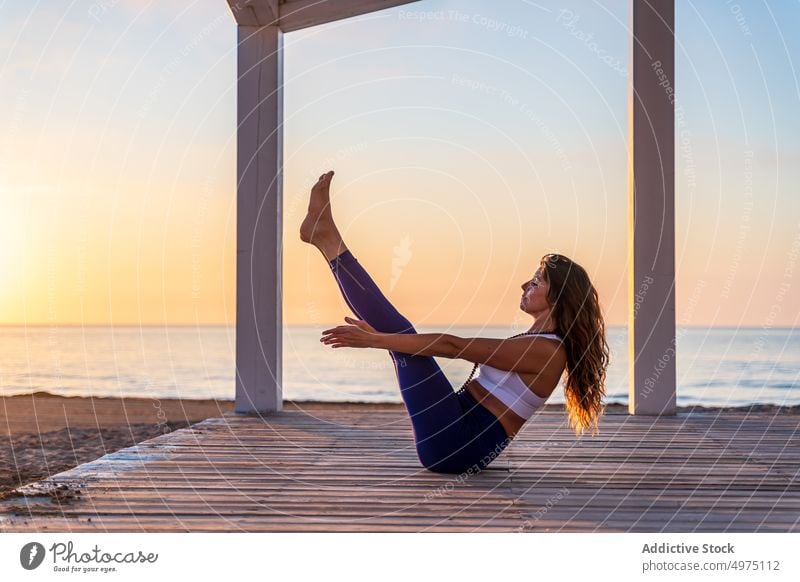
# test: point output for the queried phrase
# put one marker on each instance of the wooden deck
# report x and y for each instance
(351, 467)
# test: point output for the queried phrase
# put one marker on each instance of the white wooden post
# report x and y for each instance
(259, 220)
(651, 209)
(259, 195)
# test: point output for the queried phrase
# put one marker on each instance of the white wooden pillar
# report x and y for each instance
(651, 209)
(259, 219)
(259, 196)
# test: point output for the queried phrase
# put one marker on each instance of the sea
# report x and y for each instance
(716, 366)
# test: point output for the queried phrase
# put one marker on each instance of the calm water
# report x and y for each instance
(716, 366)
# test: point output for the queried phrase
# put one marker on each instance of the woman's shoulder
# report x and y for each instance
(559, 359)
(550, 336)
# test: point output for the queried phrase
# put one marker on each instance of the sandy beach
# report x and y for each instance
(44, 434)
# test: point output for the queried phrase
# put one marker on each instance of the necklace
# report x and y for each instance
(475, 367)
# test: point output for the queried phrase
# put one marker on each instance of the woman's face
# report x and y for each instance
(534, 296)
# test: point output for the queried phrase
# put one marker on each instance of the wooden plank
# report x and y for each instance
(291, 471)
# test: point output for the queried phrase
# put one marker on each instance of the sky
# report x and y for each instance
(468, 137)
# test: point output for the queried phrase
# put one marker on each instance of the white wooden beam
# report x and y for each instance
(651, 209)
(297, 14)
(259, 223)
(243, 13)
(266, 11)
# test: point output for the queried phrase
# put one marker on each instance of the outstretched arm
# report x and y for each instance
(525, 354)
(529, 355)
(359, 334)
(419, 344)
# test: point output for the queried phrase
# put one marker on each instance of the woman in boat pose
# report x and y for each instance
(455, 432)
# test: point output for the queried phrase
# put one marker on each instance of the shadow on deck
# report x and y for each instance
(352, 467)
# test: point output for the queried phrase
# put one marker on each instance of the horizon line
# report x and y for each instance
(233, 325)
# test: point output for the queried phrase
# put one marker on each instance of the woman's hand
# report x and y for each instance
(359, 334)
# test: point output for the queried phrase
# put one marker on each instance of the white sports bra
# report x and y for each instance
(509, 388)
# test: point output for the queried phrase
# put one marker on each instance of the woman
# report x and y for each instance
(464, 431)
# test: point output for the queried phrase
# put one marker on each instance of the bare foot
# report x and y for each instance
(318, 227)
(318, 222)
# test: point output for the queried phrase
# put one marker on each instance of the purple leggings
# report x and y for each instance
(453, 433)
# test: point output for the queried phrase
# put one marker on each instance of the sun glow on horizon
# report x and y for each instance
(462, 156)
(13, 244)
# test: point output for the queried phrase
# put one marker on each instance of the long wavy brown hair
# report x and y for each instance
(579, 321)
